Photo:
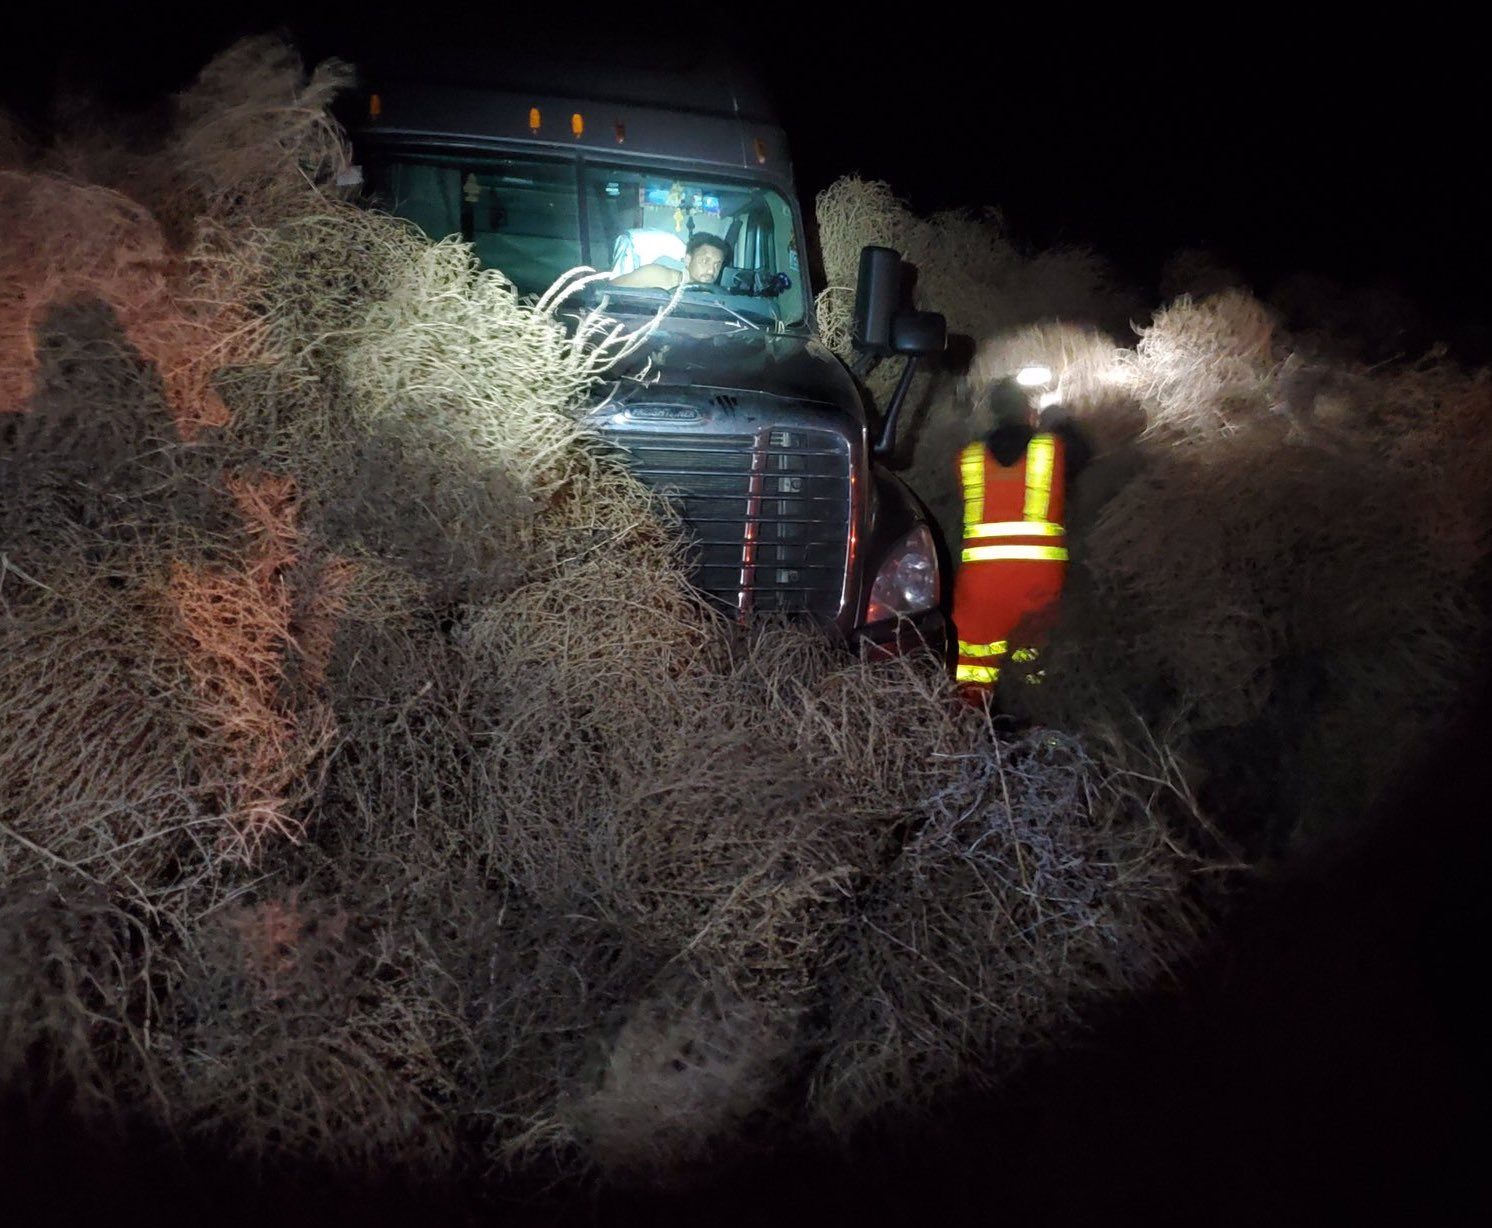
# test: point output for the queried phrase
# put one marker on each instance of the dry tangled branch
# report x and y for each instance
(1276, 562)
(1019, 848)
(968, 267)
(1270, 548)
(425, 815)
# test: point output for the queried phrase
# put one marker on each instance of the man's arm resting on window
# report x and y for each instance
(650, 277)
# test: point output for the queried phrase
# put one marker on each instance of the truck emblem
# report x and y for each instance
(664, 413)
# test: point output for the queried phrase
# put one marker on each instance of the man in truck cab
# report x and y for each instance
(704, 256)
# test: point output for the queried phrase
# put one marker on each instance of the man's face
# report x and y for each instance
(704, 264)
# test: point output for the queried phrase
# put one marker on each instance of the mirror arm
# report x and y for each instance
(887, 442)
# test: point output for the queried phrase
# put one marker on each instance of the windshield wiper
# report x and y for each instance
(685, 301)
(760, 325)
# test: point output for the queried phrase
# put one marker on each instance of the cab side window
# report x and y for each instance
(520, 215)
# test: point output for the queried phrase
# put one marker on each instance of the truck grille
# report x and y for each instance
(769, 511)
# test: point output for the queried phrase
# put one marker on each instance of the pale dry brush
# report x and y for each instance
(1034, 882)
(450, 361)
(109, 766)
(291, 1034)
(433, 361)
(239, 632)
(1294, 552)
(735, 867)
(253, 138)
(1204, 368)
(969, 268)
(127, 564)
(566, 811)
(709, 862)
(724, 838)
(456, 350)
(127, 557)
(428, 410)
(66, 241)
(519, 981)
(634, 858)
(710, 1066)
(105, 771)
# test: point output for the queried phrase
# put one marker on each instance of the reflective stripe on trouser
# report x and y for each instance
(980, 663)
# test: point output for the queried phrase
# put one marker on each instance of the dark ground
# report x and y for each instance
(1321, 1058)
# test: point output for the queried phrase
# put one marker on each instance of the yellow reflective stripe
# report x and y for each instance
(1040, 457)
(1015, 528)
(1022, 655)
(976, 673)
(995, 649)
(981, 554)
(971, 466)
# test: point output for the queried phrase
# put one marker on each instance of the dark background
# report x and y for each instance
(1321, 1056)
(1355, 152)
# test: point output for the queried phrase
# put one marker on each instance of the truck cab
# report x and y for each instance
(745, 420)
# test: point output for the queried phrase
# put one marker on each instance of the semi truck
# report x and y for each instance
(769, 446)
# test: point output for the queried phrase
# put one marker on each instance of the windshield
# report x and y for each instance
(734, 243)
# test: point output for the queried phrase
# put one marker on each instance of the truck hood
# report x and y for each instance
(797, 368)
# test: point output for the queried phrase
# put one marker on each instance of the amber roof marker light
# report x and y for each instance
(577, 125)
(534, 119)
(375, 106)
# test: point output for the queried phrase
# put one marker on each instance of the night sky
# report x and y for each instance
(1355, 154)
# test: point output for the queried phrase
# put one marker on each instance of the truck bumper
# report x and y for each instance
(925, 632)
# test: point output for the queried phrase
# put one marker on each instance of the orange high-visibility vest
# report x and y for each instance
(1014, 557)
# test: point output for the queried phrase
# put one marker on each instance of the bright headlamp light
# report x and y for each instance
(907, 582)
(1039, 378)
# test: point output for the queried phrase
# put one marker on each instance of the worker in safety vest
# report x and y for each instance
(1014, 557)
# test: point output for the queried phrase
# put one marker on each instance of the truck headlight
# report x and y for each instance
(907, 582)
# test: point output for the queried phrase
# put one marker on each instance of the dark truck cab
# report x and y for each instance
(735, 410)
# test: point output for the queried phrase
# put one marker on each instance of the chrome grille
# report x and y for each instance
(769, 511)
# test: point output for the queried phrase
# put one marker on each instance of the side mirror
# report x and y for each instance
(919, 334)
(877, 298)
(880, 327)
(914, 335)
